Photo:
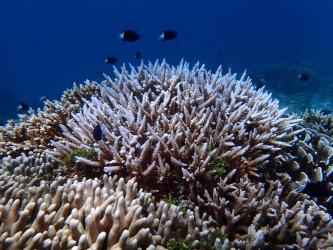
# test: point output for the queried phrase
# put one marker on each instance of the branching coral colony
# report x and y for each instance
(187, 159)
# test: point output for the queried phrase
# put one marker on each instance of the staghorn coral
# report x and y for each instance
(270, 215)
(161, 122)
(35, 130)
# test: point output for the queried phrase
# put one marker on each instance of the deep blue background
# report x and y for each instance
(47, 45)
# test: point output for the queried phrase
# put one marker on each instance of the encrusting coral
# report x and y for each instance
(187, 159)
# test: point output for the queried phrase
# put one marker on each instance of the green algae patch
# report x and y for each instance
(312, 119)
(179, 245)
(220, 166)
(220, 235)
(171, 202)
(182, 206)
(85, 153)
(208, 243)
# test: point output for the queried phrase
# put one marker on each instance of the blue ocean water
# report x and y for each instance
(45, 46)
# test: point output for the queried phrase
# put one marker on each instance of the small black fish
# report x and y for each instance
(168, 35)
(303, 77)
(98, 133)
(129, 36)
(137, 55)
(325, 111)
(110, 60)
(317, 190)
(23, 106)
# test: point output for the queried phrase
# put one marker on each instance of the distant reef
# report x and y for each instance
(282, 79)
(166, 157)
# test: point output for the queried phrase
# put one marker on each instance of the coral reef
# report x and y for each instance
(187, 159)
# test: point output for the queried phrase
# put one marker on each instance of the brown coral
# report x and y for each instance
(35, 130)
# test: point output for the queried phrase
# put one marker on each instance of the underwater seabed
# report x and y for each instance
(282, 80)
(166, 157)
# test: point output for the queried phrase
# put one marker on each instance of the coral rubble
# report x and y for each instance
(188, 159)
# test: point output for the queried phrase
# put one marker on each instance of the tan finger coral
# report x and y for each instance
(84, 214)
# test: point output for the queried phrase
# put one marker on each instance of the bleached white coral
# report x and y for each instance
(160, 122)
